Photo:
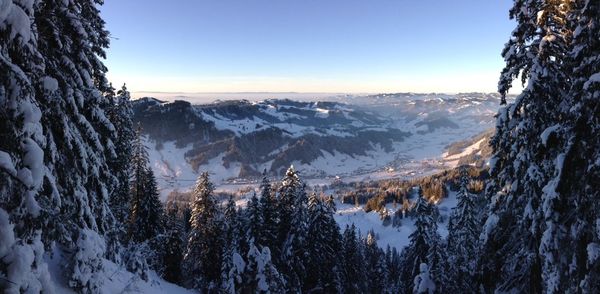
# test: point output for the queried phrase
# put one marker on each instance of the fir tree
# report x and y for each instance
(323, 246)
(146, 213)
(423, 284)
(173, 257)
(353, 274)
(202, 260)
(254, 218)
(294, 227)
(231, 270)
(376, 270)
(261, 276)
(524, 234)
(394, 267)
(420, 248)
(463, 233)
(269, 218)
(120, 114)
(580, 175)
(56, 138)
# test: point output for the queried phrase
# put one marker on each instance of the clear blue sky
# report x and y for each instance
(307, 45)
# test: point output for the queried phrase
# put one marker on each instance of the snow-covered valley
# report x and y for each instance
(318, 138)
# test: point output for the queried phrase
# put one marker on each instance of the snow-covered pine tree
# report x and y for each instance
(423, 284)
(524, 236)
(375, 268)
(269, 218)
(353, 264)
(293, 200)
(254, 220)
(334, 240)
(580, 176)
(421, 240)
(146, 212)
(53, 108)
(260, 275)
(173, 256)
(120, 114)
(394, 267)
(231, 271)
(202, 260)
(288, 190)
(22, 169)
(463, 234)
(323, 247)
(438, 258)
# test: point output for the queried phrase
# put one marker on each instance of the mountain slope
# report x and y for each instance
(377, 136)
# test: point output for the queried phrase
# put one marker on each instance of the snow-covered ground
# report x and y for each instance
(434, 121)
(418, 155)
(388, 235)
(115, 279)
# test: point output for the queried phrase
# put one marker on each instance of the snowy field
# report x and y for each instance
(116, 279)
(417, 156)
(398, 237)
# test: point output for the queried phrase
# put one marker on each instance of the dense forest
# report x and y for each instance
(75, 179)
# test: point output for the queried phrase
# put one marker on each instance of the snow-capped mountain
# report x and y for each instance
(355, 136)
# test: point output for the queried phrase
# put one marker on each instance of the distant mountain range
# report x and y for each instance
(351, 135)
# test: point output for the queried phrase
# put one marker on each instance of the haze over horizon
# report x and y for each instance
(310, 47)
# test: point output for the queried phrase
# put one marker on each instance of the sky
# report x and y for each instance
(308, 46)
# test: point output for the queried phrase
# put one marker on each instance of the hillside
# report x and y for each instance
(353, 138)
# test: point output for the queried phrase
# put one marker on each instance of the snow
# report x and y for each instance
(398, 237)
(593, 251)
(170, 167)
(238, 126)
(34, 160)
(595, 78)
(50, 84)
(490, 224)
(547, 132)
(91, 248)
(467, 151)
(417, 155)
(7, 165)
(115, 279)
(18, 21)
(7, 237)
(322, 113)
(5, 9)
(238, 262)
(19, 269)
(423, 282)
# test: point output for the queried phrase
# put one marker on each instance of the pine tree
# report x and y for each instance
(286, 201)
(146, 213)
(394, 269)
(55, 181)
(202, 260)
(463, 233)
(580, 176)
(375, 268)
(323, 245)
(353, 274)
(293, 230)
(254, 217)
(260, 275)
(269, 218)
(420, 248)
(231, 268)
(423, 282)
(120, 114)
(523, 234)
(21, 156)
(173, 257)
